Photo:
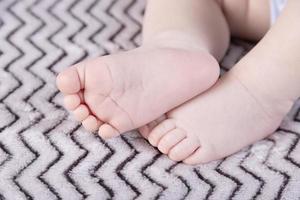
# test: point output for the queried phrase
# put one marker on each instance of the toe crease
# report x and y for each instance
(113, 100)
(81, 77)
(124, 111)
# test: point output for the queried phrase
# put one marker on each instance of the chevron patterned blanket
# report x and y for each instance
(45, 154)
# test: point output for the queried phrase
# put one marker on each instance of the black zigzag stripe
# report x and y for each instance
(144, 168)
(20, 52)
(7, 152)
(72, 166)
(123, 164)
(99, 30)
(297, 116)
(258, 178)
(50, 37)
(185, 183)
(99, 165)
(292, 148)
(285, 176)
(230, 177)
(121, 25)
(208, 182)
(51, 163)
(138, 32)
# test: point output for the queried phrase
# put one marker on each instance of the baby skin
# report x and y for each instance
(117, 93)
(124, 91)
(231, 115)
(178, 61)
(245, 105)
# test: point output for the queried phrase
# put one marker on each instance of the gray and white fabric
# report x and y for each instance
(276, 8)
(45, 154)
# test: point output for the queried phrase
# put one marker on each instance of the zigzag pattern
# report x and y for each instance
(44, 154)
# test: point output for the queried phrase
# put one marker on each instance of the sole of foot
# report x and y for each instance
(121, 92)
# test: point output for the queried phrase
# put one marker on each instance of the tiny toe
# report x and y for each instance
(170, 139)
(80, 95)
(71, 101)
(200, 156)
(106, 131)
(183, 149)
(144, 131)
(160, 130)
(81, 112)
(152, 125)
(91, 123)
(68, 81)
(161, 119)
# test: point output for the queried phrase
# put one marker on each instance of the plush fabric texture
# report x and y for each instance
(276, 7)
(45, 154)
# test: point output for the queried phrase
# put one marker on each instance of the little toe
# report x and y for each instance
(71, 101)
(81, 112)
(80, 95)
(160, 130)
(183, 149)
(106, 131)
(161, 119)
(144, 131)
(91, 123)
(152, 125)
(170, 140)
(69, 81)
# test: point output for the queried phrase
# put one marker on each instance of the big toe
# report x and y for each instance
(68, 81)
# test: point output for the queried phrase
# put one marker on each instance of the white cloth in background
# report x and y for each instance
(276, 8)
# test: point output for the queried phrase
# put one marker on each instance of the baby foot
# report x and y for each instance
(234, 113)
(118, 93)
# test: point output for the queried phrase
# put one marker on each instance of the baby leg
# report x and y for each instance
(247, 19)
(246, 105)
(196, 24)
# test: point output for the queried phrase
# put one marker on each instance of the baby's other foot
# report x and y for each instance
(234, 113)
(121, 92)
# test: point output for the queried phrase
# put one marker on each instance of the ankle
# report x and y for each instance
(177, 40)
(267, 88)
